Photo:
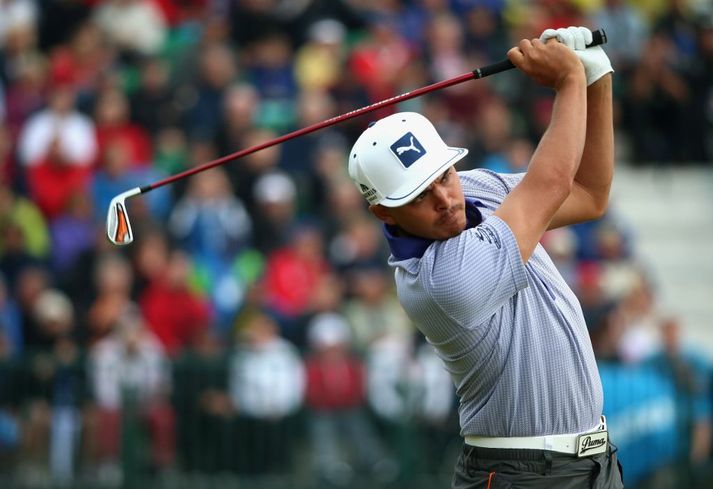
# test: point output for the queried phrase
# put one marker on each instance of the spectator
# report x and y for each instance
(245, 174)
(110, 296)
(373, 310)
(18, 35)
(116, 174)
(73, 232)
(298, 154)
(153, 104)
(173, 312)
(129, 376)
(54, 181)
(379, 58)
(291, 275)
(56, 386)
(336, 395)
(266, 386)
(319, 62)
(626, 30)
(690, 373)
(27, 288)
(10, 388)
(217, 71)
(326, 298)
(171, 151)
(640, 315)
(357, 244)
(204, 409)
(149, 258)
(81, 59)
(241, 106)
(24, 214)
(59, 127)
(485, 36)
(701, 80)
(656, 105)
(15, 13)
(269, 69)
(342, 211)
(11, 341)
(25, 94)
(213, 226)
(275, 210)
(114, 127)
(209, 221)
(135, 27)
(561, 245)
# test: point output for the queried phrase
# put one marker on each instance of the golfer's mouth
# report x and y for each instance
(451, 216)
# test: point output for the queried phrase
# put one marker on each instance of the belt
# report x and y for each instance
(583, 444)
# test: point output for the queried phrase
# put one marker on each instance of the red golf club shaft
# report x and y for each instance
(309, 129)
(599, 37)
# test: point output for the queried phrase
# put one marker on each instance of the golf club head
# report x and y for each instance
(118, 226)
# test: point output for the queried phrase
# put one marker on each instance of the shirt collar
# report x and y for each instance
(405, 247)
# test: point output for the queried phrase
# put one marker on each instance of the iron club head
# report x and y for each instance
(118, 226)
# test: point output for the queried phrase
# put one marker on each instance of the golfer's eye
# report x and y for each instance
(421, 196)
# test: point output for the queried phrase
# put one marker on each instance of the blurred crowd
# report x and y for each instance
(255, 302)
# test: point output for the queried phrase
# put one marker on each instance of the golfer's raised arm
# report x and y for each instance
(589, 198)
(530, 207)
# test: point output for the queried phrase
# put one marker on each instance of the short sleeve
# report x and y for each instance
(488, 185)
(476, 272)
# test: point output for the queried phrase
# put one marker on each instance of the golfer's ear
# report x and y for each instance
(382, 213)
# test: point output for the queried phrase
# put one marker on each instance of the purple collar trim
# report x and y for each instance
(405, 247)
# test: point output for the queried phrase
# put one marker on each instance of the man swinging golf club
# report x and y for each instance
(471, 275)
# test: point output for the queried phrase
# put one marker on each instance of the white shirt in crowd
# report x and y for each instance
(136, 25)
(269, 381)
(77, 137)
(404, 384)
(113, 371)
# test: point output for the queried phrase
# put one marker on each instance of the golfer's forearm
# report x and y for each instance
(596, 169)
(560, 149)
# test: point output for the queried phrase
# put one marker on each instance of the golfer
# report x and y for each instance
(471, 275)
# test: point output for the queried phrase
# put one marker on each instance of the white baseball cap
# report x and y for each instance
(328, 329)
(397, 157)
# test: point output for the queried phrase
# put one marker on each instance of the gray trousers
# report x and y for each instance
(494, 468)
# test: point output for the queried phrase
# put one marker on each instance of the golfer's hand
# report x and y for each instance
(595, 60)
(549, 63)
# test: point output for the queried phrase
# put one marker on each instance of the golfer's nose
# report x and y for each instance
(440, 195)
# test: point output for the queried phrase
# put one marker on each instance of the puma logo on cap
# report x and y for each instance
(408, 149)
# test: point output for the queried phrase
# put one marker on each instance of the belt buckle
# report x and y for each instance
(589, 444)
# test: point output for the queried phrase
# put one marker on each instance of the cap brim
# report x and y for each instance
(407, 192)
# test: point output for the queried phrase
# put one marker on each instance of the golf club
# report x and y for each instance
(118, 225)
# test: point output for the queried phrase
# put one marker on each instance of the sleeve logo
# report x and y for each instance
(485, 232)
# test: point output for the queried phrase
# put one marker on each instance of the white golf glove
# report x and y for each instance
(595, 60)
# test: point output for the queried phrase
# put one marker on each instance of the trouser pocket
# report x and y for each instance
(469, 476)
(610, 473)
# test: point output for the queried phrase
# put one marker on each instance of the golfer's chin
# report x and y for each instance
(451, 226)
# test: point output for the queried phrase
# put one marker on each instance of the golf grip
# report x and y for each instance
(598, 37)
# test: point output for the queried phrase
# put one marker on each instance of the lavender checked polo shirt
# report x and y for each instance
(511, 335)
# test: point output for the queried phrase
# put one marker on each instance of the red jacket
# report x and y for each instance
(335, 384)
(52, 185)
(291, 280)
(174, 315)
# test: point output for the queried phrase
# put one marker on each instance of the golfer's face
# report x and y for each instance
(437, 213)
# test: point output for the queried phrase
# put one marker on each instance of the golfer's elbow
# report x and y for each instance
(600, 205)
(560, 183)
